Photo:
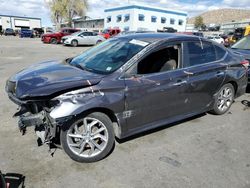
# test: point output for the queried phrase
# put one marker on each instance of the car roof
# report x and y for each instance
(154, 37)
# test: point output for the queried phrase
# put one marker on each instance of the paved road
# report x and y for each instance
(205, 151)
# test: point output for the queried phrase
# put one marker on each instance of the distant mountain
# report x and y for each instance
(223, 15)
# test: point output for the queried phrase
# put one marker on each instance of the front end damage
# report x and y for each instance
(37, 114)
(49, 115)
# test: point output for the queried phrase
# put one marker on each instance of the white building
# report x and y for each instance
(18, 22)
(138, 17)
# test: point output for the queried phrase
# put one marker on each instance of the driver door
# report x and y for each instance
(156, 96)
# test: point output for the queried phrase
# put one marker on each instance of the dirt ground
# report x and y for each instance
(204, 151)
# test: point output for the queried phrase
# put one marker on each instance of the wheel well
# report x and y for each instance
(234, 85)
(110, 114)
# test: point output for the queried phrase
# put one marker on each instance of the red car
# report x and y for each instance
(55, 38)
(107, 33)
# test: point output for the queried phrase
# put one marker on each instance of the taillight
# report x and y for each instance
(245, 63)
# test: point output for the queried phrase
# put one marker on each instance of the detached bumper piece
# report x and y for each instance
(28, 120)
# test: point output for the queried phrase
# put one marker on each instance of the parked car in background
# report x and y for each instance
(38, 32)
(26, 33)
(243, 47)
(198, 34)
(167, 30)
(55, 38)
(82, 104)
(239, 33)
(134, 32)
(9, 31)
(82, 38)
(217, 39)
(107, 33)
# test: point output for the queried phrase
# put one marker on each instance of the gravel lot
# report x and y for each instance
(205, 151)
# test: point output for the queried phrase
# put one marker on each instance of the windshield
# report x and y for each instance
(108, 56)
(106, 31)
(243, 44)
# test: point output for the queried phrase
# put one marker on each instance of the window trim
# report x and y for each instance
(166, 44)
(217, 60)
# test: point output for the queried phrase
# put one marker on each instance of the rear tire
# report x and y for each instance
(74, 43)
(53, 41)
(89, 138)
(223, 99)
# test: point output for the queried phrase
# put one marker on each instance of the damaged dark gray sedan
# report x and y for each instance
(124, 86)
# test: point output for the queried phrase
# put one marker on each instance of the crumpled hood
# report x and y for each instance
(48, 78)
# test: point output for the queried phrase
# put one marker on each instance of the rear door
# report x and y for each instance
(206, 69)
(84, 38)
(92, 38)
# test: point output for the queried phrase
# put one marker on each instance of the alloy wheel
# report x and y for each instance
(88, 137)
(225, 99)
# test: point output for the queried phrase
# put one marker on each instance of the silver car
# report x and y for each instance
(82, 38)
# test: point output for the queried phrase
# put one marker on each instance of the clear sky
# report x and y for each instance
(37, 8)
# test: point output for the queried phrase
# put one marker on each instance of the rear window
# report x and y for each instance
(200, 53)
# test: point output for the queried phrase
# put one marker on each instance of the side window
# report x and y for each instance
(65, 31)
(72, 31)
(89, 34)
(220, 53)
(200, 53)
(165, 59)
(82, 34)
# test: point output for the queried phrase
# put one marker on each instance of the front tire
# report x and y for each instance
(224, 99)
(74, 43)
(88, 139)
(53, 41)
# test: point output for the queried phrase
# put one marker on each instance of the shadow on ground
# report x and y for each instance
(12, 180)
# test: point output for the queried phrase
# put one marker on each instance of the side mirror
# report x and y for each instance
(68, 60)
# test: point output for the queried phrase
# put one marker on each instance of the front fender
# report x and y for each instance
(111, 102)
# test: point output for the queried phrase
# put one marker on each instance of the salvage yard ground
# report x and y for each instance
(205, 151)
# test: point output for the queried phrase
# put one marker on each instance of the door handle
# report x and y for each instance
(188, 73)
(180, 82)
